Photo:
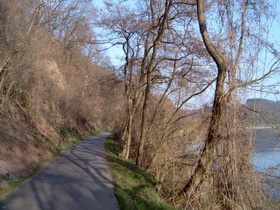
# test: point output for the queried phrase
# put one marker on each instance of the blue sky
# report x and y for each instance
(273, 37)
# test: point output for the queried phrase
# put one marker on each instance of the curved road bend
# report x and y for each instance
(79, 179)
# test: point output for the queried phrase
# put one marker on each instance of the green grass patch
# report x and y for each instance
(98, 131)
(69, 138)
(134, 188)
(38, 139)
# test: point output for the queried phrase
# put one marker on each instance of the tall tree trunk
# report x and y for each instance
(156, 43)
(209, 151)
(127, 137)
(130, 96)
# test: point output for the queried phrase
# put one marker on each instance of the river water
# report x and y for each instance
(267, 159)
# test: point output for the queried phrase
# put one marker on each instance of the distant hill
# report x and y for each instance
(265, 110)
(264, 103)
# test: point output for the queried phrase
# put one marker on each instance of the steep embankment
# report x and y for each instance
(53, 88)
(54, 100)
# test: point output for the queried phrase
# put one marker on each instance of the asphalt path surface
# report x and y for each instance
(78, 179)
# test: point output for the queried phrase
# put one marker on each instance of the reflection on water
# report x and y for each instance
(267, 159)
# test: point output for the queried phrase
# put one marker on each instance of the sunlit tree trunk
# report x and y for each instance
(209, 150)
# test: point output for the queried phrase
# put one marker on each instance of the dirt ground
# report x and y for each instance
(20, 159)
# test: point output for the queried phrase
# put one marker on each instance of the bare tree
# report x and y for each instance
(164, 63)
(218, 143)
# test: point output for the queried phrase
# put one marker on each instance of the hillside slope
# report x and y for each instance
(265, 112)
(50, 91)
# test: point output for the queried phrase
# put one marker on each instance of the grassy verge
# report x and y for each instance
(69, 138)
(134, 188)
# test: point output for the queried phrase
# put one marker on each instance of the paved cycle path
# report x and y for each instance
(79, 179)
